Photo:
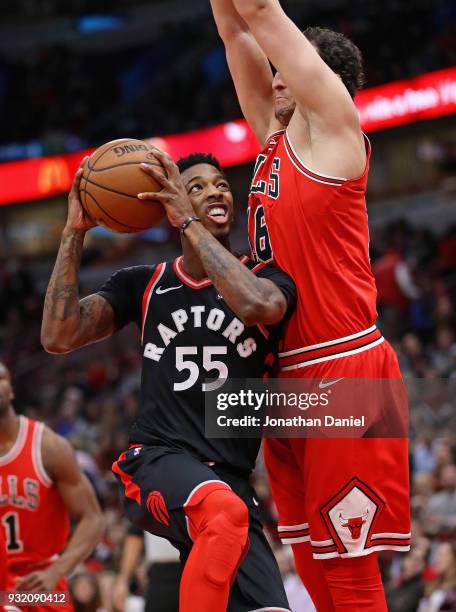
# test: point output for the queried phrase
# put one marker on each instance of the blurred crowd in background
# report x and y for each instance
(91, 397)
(178, 80)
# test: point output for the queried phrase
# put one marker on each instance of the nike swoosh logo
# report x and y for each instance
(160, 290)
(323, 385)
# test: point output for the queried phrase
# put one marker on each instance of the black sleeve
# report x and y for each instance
(133, 530)
(124, 290)
(283, 282)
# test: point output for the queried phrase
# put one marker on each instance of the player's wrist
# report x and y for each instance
(189, 222)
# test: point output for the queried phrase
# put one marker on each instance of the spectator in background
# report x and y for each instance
(394, 279)
(441, 594)
(406, 596)
(441, 508)
(86, 593)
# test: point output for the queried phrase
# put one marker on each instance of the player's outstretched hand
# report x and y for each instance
(39, 582)
(173, 195)
(77, 218)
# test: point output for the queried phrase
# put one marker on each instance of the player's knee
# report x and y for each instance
(226, 533)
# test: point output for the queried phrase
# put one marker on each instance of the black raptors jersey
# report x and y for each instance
(189, 335)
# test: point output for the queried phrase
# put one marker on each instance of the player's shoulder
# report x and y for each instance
(130, 278)
(252, 264)
(260, 268)
(55, 450)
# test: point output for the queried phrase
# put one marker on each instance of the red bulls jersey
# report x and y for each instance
(33, 517)
(314, 227)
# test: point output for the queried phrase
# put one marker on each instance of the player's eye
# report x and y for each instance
(223, 185)
(195, 188)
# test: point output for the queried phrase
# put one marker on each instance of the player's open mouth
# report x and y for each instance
(218, 213)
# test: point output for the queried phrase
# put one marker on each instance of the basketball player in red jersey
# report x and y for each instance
(339, 501)
(41, 487)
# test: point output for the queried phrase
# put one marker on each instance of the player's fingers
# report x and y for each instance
(77, 177)
(76, 181)
(23, 583)
(167, 161)
(159, 196)
(158, 176)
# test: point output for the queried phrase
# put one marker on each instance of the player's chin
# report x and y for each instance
(219, 230)
(284, 113)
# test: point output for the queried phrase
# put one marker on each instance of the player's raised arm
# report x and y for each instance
(326, 112)
(69, 323)
(79, 497)
(253, 299)
(249, 67)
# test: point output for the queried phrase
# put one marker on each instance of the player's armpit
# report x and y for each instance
(249, 68)
(79, 497)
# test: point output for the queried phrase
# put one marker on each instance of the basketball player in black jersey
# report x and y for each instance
(176, 483)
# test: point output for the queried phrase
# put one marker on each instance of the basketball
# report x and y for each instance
(111, 180)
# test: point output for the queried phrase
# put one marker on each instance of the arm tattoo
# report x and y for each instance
(97, 317)
(227, 273)
(67, 321)
(62, 296)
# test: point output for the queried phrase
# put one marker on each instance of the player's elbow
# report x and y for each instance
(99, 524)
(54, 345)
(249, 9)
(230, 29)
(267, 312)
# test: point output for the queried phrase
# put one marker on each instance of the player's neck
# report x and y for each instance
(192, 263)
(9, 427)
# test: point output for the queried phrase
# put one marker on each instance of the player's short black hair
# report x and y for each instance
(341, 55)
(184, 163)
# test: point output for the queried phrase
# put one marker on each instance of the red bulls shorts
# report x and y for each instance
(346, 497)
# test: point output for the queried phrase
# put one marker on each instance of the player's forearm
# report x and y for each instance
(253, 300)
(248, 65)
(61, 316)
(132, 550)
(87, 534)
(226, 17)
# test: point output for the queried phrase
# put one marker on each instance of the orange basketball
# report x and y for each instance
(111, 181)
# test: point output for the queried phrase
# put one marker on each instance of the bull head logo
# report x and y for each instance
(354, 525)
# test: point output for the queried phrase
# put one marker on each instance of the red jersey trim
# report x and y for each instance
(18, 445)
(319, 178)
(312, 347)
(259, 267)
(156, 276)
(191, 282)
(188, 280)
(37, 456)
(334, 351)
(271, 136)
(132, 490)
(362, 553)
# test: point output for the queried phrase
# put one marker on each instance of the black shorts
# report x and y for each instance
(155, 485)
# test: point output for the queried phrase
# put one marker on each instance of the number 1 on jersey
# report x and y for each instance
(11, 524)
